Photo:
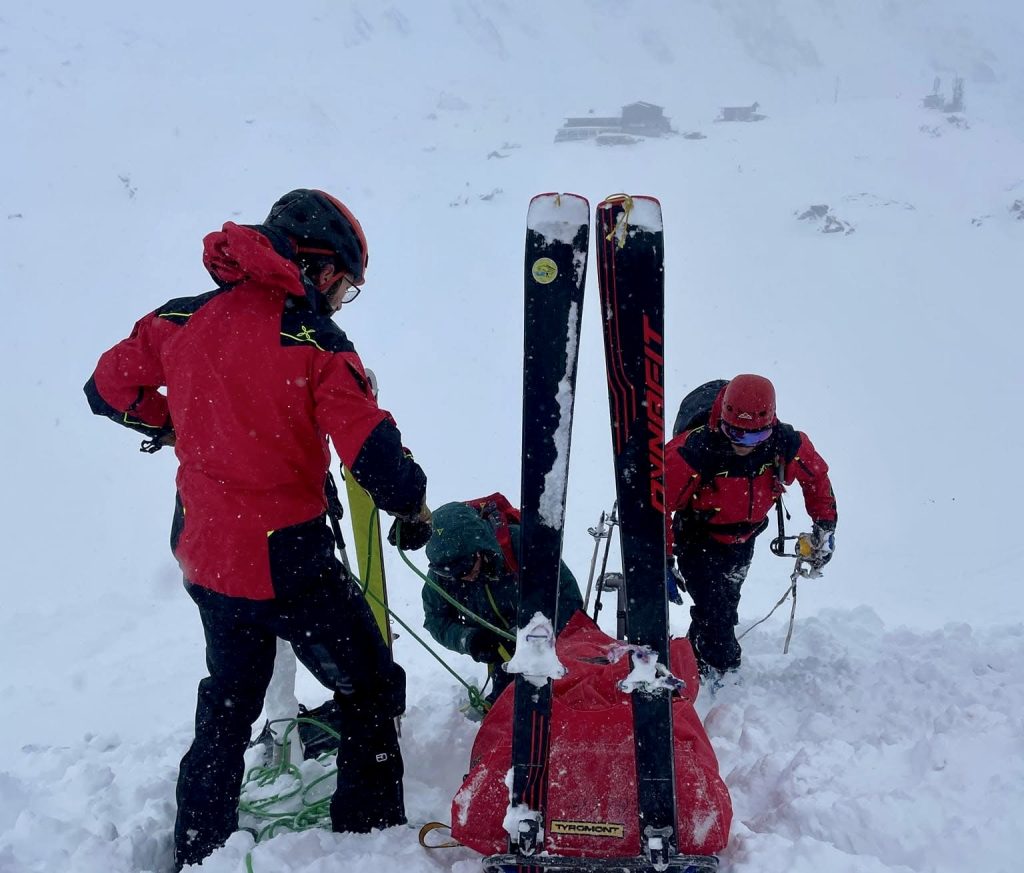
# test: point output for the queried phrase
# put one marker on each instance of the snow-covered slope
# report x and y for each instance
(865, 750)
(888, 736)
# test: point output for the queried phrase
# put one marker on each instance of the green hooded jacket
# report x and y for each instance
(459, 531)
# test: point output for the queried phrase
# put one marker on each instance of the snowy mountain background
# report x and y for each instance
(891, 737)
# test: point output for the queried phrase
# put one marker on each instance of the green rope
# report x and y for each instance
(311, 813)
(372, 528)
(433, 585)
(470, 688)
(476, 700)
(317, 813)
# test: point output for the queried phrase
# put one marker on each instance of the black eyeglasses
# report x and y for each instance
(351, 292)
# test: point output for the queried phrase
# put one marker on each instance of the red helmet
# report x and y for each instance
(748, 403)
(322, 224)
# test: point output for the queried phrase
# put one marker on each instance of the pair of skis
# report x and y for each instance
(631, 279)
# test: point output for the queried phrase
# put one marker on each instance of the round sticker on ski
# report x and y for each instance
(544, 271)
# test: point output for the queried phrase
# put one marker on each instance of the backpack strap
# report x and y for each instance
(496, 510)
(781, 513)
(789, 445)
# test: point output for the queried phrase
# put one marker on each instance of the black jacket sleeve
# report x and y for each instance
(385, 469)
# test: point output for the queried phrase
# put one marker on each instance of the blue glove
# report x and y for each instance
(824, 542)
(672, 587)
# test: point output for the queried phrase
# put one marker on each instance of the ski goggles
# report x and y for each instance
(456, 568)
(738, 436)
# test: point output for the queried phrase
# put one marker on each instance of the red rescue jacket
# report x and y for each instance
(256, 380)
(716, 493)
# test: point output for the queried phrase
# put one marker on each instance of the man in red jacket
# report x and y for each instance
(256, 378)
(721, 480)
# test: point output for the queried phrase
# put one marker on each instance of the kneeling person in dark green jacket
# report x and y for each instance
(468, 562)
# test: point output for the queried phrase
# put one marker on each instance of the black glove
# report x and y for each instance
(163, 437)
(482, 646)
(415, 533)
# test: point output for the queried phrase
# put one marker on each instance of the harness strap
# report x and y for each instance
(335, 510)
(502, 649)
(783, 599)
(499, 514)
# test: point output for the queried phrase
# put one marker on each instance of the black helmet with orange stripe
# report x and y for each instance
(322, 225)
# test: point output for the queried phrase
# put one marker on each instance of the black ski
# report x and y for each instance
(557, 235)
(632, 290)
(630, 250)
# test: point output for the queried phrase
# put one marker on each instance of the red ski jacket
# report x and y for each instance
(718, 494)
(256, 380)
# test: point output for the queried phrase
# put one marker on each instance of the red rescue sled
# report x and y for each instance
(592, 795)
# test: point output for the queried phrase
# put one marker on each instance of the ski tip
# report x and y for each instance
(641, 210)
(613, 200)
(560, 196)
(555, 210)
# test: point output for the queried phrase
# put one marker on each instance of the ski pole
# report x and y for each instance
(613, 520)
(621, 612)
(598, 533)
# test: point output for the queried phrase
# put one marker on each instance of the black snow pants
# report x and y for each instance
(333, 633)
(714, 573)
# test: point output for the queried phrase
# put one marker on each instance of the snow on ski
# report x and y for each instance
(630, 263)
(557, 237)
